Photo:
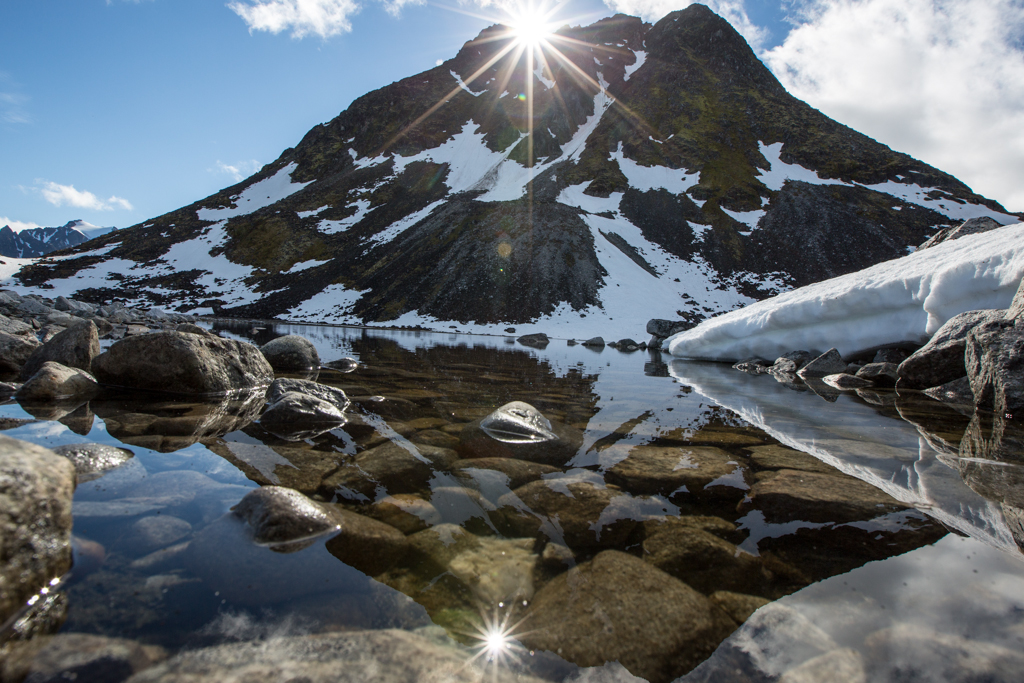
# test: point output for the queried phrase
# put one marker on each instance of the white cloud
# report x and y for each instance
(733, 11)
(238, 170)
(59, 195)
(12, 103)
(324, 18)
(942, 80)
(17, 226)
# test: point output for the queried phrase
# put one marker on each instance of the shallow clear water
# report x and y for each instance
(852, 524)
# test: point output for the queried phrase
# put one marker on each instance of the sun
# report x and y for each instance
(529, 24)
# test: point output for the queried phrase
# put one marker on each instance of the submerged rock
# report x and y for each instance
(182, 363)
(617, 607)
(279, 515)
(390, 466)
(812, 497)
(284, 385)
(669, 469)
(36, 487)
(296, 415)
(704, 561)
(291, 353)
(518, 430)
(382, 656)
(79, 657)
(370, 546)
(93, 460)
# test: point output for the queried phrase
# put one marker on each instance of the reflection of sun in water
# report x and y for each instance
(497, 644)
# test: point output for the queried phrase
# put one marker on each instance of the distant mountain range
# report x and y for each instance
(640, 171)
(39, 241)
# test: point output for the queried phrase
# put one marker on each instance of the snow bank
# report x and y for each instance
(906, 299)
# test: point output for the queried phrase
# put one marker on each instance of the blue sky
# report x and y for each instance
(116, 111)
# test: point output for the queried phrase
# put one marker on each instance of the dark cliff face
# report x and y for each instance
(647, 158)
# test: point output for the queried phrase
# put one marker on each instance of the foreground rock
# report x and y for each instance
(291, 353)
(619, 608)
(78, 657)
(56, 382)
(382, 656)
(182, 363)
(941, 360)
(15, 350)
(36, 486)
(994, 360)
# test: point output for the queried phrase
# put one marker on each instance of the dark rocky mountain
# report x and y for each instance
(623, 172)
(40, 241)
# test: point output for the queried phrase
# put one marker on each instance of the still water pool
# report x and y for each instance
(693, 523)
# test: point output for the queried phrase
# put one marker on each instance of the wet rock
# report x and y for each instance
(558, 556)
(382, 656)
(435, 437)
(941, 360)
(291, 353)
(790, 363)
(15, 350)
(846, 382)
(828, 363)
(517, 430)
(78, 657)
(775, 457)
(36, 486)
(370, 546)
(284, 385)
(343, 364)
(539, 340)
(294, 415)
(712, 525)
(279, 515)
(56, 382)
(577, 507)
(406, 512)
(595, 342)
(957, 392)
(432, 550)
(510, 473)
(497, 570)
(877, 398)
(75, 347)
(971, 226)
(910, 652)
(182, 363)
(994, 359)
(739, 606)
(814, 497)
(93, 460)
(295, 465)
(844, 665)
(605, 609)
(625, 345)
(224, 556)
(666, 328)
(753, 366)
(661, 469)
(157, 531)
(704, 561)
(880, 374)
(390, 466)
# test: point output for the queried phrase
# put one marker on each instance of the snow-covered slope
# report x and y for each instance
(638, 172)
(906, 299)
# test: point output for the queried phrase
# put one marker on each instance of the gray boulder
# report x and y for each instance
(666, 328)
(15, 350)
(93, 460)
(971, 226)
(36, 486)
(295, 415)
(994, 358)
(13, 326)
(828, 363)
(291, 353)
(75, 347)
(279, 515)
(1016, 308)
(56, 382)
(182, 363)
(595, 342)
(32, 306)
(789, 363)
(941, 360)
(880, 374)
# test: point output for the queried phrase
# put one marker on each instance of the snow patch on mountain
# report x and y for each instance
(258, 195)
(331, 227)
(641, 57)
(779, 171)
(644, 178)
(906, 299)
(466, 87)
(574, 196)
(333, 304)
(749, 218)
(400, 226)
